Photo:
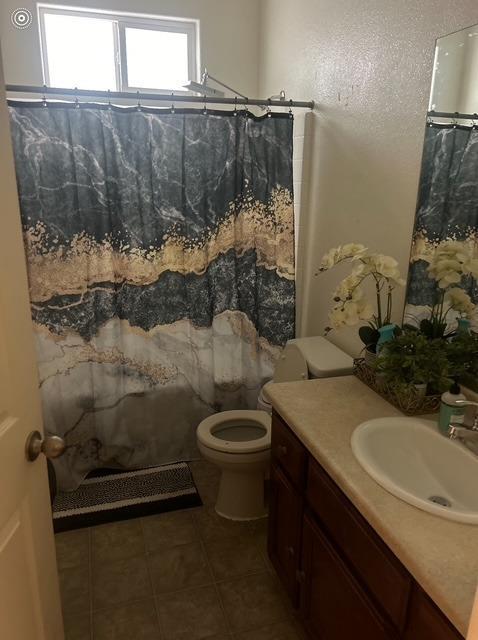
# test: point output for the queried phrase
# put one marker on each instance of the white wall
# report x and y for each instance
(229, 36)
(368, 64)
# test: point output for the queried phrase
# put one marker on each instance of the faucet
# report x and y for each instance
(467, 435)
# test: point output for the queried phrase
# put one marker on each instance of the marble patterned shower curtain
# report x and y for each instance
(160, 256)
(447, 208)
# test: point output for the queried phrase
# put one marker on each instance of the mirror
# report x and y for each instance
(455, 73)
(444, 255)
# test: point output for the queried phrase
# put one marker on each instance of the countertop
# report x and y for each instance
(440, 554)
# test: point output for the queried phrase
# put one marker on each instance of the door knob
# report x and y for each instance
(51, 446)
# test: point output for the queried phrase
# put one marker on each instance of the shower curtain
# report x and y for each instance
(160, 256)
(447, 208)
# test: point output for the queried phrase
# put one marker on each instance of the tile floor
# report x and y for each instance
(184, 575)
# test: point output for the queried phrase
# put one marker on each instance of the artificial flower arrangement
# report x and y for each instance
(452, 265)
(421, 359)
(350, 303)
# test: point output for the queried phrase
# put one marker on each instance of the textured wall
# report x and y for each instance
(229, 36)
(368, 65)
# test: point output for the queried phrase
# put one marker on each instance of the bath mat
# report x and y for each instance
(108, 495)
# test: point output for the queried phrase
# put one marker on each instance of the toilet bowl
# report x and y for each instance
(239, 443)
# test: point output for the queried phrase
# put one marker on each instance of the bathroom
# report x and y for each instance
(171, 275)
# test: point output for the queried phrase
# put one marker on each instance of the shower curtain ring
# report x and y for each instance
(235, 106)
(429, 121)
(269, 113)
(44, 102)
(205, 105)
(173, 109)
(77, 102)
(455, 121)
(138, 106)
(291, 115)
(109, 99)
(474, 124)
(246, 109)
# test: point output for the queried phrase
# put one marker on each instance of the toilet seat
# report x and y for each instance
(221, 421)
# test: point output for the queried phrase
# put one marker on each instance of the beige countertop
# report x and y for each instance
(441, 555)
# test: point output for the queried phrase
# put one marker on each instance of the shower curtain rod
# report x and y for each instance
(169, 97)
(455, 115)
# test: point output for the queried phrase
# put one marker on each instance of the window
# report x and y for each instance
(121, 52)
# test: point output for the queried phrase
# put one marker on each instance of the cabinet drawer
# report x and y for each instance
(333, 605)
(374, 564)
(426, 621)
(288, 451)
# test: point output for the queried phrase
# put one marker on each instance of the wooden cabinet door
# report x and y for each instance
(285, 518)
(426, 621)
(333, 606)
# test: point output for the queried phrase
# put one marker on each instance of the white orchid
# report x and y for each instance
(351, 311)
(350, 251)
(388, 267)
(458, 300)
(451, 261)
(346, 287)
(352, 306)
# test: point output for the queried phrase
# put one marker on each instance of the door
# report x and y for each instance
(332, 605)
(29, 593)
(285, 515)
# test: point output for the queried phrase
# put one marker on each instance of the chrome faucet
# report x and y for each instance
(467, 435)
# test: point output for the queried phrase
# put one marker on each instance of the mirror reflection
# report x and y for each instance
(455, 73)
(442, 291)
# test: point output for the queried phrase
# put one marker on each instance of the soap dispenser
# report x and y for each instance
(449, 411)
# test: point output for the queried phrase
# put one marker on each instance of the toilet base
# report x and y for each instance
(241, 495)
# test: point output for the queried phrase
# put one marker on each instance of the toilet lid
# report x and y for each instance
(236, 431)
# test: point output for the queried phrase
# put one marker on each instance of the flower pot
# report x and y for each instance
(370, 357)
(420, 390)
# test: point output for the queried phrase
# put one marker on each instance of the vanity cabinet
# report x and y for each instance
(340, 575)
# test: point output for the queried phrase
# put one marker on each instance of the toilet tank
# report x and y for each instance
(313, 357)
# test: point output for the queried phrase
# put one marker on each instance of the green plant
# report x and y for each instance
(462, 356)
(413, 359)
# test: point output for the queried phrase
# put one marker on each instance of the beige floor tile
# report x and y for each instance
(77, 627)
(120, 581)
(277, 631)
(234, 556)
(252, 602)
(169, 529)
(179, 567)
(72, 548)
(135, 621)
(214, 527)
(116, 541)
(194, 614)
(75, 590)
(258, 530)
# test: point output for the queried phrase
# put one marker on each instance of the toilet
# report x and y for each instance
(239, 442)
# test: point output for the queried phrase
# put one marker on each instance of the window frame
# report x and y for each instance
(120, 22)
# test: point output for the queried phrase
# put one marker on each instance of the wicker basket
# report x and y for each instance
(411, 402)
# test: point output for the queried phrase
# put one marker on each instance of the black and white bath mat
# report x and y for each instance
(108, 495)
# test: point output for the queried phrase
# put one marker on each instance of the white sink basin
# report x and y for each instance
(411, 459)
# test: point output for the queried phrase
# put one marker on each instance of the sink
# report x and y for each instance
(410, 458)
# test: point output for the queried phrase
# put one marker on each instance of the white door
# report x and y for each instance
(29, 593)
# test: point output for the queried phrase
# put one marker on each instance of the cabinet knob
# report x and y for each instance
(290, 551)
(282, 450)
